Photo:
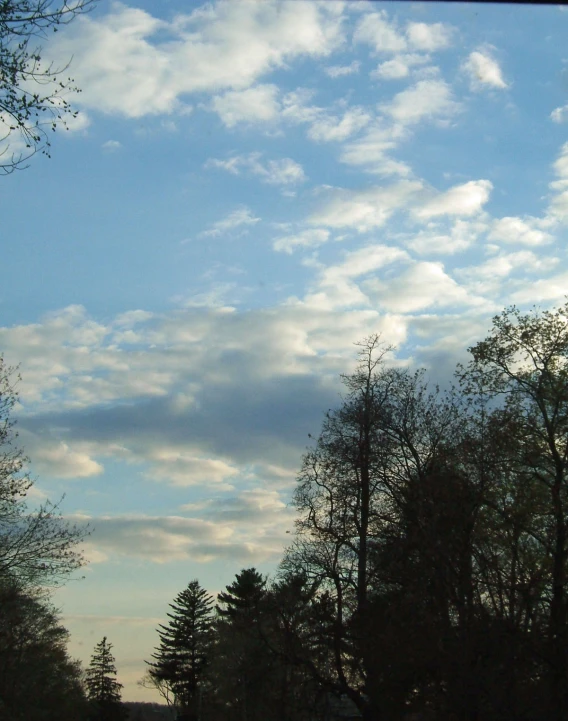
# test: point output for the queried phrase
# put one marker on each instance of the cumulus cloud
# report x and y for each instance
(340, 71)
(520, 231)
(56, 459)
(483, 71)
(422, 285)
(436, 239)
(365, 209)
(558, 208)
(310, 238)
(180, 467)
(429, 37)
(375, 29)
(466, 199)
(131, 63)
(489, 277)
(236, 219)
(427, 99)
(384, 36)
(258, 104)
(371, 151)
(550, 289)
(560, 115)
(399, 67)
(330, 128)
(284, 171)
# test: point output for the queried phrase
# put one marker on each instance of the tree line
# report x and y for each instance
(427, 577)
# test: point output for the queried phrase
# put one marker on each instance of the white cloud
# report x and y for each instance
(370, 152)
(520, 231)
(236, 219)
(466, 199)
(399, 67)
(427, 99)
(131, 63)
(365, 209)
(329, 128)
(552, 288)
(375, 29)
(483, 70)
(384, 36)
(489, 277)
(429, 37)
(58, 460)
(560, 115)
(258, 104)
(111, 145)
(284, 171)
(304, 239)
(422, 285)
(180, 467)
(296, 107)
(339, 71)
(558, 208)
(436, 240)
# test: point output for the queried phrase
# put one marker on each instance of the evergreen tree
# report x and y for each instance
(183, 656)
(244, 667)
(103, 690)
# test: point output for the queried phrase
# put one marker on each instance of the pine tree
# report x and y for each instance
(182, 658)
(103, 690)
(243, 667)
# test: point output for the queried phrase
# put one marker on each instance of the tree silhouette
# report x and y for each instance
(184, 654)
(103, 690)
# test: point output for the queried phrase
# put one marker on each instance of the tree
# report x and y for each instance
(184, 654)
(103, 690)
(39, 547)
(522, 366)
(372, 454)
(243, 665)
(33, 95)
(38, 680)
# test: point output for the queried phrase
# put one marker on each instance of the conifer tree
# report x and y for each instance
(103, 690)
(181, 659)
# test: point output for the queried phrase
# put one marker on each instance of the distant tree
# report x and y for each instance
(37, 548)
(103, 690)
(181, 661)
(33, 94)
(38, 680)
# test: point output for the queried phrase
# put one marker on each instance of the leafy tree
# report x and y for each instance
(39, 547)
(103, 690)
(184, 654)
(32, 94)
(38, 680)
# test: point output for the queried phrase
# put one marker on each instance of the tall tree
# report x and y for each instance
(183, 656)
(523, 366)
(243, 668)
(103, 690)
(33, 93)
(352, 491)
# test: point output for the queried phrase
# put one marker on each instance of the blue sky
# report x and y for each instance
(249, 189)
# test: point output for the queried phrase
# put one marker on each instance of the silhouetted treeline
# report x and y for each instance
(427, 579)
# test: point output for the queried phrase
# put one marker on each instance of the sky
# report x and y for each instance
(249, 189)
